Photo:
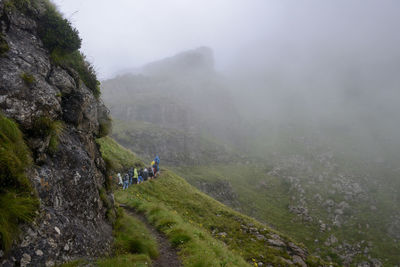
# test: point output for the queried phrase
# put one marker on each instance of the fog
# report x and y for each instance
(130, 33)
(325, 64)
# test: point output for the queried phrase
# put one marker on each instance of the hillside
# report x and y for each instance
(199, 225)
(315, 179)
(169, 94)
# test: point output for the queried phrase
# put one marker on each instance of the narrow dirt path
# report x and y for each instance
(168, 255)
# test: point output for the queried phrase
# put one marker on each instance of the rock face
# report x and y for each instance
(221, 191)
(71, 221)
(186, 97)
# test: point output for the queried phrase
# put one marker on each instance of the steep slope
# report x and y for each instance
(176, 147)
(51, 93)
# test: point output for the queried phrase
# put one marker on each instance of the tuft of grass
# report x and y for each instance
(15, 209)
(4, 48)
(117, 158)
(15, 156)
(28, 79)
(110, 213)
(18, 202)
(45, 126)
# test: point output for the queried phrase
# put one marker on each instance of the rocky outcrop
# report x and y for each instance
(71, 222)
(221, 191)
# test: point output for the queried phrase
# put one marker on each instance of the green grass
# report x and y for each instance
(45, 126)
(267, 198)
(57, 32)
(28, 79)
(105, 126)
(77, 61)
(127, 260)
(18, 202)
(195, 222)
(117, 157)
(133, 243)
(59, 38)
(4, 48)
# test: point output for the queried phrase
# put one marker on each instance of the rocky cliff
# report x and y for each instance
(68, 173)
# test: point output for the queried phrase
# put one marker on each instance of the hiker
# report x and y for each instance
(151, 172)
(157, 161)
(135, 176)
(140, 176)
(153, 165)
(145, 174)
(119, 179)
(130, 173)
(126, 182)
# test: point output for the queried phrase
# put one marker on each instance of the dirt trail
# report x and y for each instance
(168, 255)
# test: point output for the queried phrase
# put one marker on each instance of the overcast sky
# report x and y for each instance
(122, 34)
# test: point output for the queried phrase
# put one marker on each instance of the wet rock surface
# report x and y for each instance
(71, 220)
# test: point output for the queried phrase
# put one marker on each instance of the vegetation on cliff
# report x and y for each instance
(59, 37)
(18, 202)
(117, 157)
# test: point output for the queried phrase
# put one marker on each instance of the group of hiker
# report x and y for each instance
(137, 176)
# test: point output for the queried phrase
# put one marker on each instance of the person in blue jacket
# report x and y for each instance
(157, 161)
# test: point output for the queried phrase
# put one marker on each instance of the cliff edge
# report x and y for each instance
(60, 115)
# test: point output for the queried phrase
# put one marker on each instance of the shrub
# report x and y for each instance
(17, 201)
(105, 126)
(28, 78)
(21, 5)
(61, 40)
(57, 32)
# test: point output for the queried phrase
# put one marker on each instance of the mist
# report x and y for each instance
(305, 91)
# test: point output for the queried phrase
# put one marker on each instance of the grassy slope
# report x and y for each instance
(193, 221)
(267, 198)
(133, 243)
(117, 157)
(176, 207)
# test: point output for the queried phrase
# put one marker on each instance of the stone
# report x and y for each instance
(49, 263)
(260, 237)
(66, 247)
(25, 260)
(276, 243)
(39, 252)
(57, 230)
(297, 260)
